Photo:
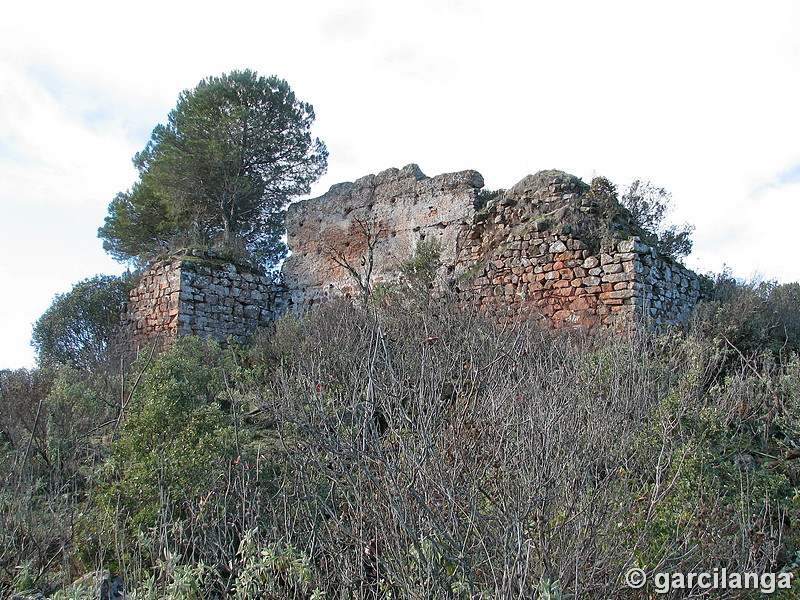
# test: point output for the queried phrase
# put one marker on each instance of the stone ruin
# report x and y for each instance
(194, 293)
(550, 248)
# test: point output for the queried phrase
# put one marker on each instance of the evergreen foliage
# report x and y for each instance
(649, 206)
(80, 325)
(235, 150)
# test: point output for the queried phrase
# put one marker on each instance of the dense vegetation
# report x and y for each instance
(79, 327)
(405, 449)
(397, 449)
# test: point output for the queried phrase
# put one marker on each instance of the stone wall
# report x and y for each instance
(194, 293)
(550, 248)
(153, 306)
(332, 237)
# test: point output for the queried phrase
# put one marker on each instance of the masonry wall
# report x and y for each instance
(196, 294)
(152, 311)
(537, 252)
(373, 223)
(546, 249)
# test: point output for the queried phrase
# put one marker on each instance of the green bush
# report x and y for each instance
(750, 317)
(175, 474)
(80, 326)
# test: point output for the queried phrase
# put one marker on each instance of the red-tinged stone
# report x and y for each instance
(579, 304)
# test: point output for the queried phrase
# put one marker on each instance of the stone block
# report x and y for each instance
(617, 295)
(625, 246)
(617, 277)
(591, 281)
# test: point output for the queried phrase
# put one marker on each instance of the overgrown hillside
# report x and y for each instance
(408, 450)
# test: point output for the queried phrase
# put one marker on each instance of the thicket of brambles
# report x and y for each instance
(403, 448)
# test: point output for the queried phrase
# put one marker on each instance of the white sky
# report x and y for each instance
(698, 97)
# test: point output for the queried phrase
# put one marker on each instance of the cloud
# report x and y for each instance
(347, 25)
(784, 177)
(50, 144)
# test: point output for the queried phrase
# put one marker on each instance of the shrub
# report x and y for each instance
(750, 317)
(79, 327)
(438, 456)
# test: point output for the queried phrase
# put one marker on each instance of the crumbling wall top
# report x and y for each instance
(365, 228)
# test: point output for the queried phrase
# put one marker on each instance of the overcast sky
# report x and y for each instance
(698, 97)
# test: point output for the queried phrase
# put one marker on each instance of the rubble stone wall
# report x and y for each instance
(538, 251)
(366, 228)
(550, 248)
(199, 295)
(152, 312)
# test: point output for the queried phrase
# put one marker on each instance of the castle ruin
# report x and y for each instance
(549, 248)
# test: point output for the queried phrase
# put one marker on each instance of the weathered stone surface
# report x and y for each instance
(102, 584)
(392, 211)
(518, 257)
(191, 294)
